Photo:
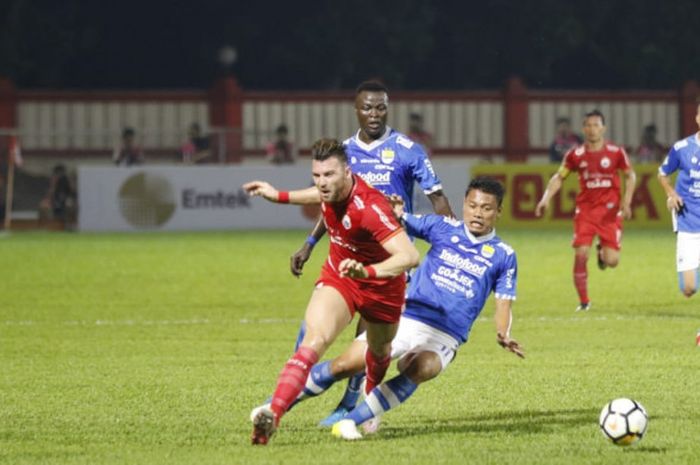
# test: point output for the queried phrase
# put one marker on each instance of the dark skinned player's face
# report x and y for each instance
(372, 109)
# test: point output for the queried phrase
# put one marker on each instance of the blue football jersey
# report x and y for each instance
(450, 286)
(684, 157)
(392, 164)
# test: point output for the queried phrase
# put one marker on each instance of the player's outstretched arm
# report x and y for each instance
(441, 205)
(404, 256)
(310, 195)
(301, 256)
(504, 318)
(673, 200)
(553, 187)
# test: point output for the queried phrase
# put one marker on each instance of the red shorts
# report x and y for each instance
(606, 224)
(378, 301)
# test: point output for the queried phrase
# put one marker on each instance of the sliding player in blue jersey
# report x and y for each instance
(390, 162)
(466, 262)
(684, 203)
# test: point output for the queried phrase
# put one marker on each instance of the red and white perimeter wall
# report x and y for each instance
(513, 122)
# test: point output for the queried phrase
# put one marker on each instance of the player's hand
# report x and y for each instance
(626, 211)
(350, 268)
(262, 189)
(510, 345)
(674, 202)
(300, 257)
(540, 208)
(397, 205)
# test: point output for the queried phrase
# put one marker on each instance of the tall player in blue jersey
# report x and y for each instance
(466, 262)
(684, 203)
(391, 163)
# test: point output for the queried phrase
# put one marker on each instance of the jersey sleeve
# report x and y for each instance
(569, 162)
(421, 226)
(671, 163)
(506, 282)
(624, 163)
(423, 171)
(378, 219)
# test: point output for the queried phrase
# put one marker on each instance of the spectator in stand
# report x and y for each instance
(196, 149)
(280, 151)
(59, 201)
(564, 140)
(650, 150)
(417, 134)
(128, 152)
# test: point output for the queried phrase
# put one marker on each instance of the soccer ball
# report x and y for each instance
(623, 421)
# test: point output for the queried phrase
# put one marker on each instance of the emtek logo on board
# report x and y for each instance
(148, 201)
(191, 198)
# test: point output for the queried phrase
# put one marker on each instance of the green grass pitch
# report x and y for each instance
(153, 348)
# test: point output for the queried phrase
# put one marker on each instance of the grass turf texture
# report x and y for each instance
(153, 348)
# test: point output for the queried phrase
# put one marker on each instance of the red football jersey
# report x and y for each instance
(358, 226)
(598, 176)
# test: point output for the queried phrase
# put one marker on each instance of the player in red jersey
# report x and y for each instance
(599, 206)
(369, 253)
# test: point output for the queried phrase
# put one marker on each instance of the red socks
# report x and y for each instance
(581, 278)
(376, 369)
(292, 379)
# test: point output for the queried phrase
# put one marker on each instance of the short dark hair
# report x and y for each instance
(372, 85)
(282, 128)
(563, 119)
(489, 185)
(595, 112)
(128, 132)
(323, 149)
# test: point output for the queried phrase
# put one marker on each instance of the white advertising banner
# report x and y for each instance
(188, 198)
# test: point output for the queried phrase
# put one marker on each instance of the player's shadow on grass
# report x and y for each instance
(512, 422)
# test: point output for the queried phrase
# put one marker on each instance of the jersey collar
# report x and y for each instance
(375, 143)
(480, 239)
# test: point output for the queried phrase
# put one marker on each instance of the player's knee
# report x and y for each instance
(424, 367)
(612, 262)
(316, 341)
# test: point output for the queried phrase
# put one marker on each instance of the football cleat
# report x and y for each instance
(337, 415)
(583, 307)
(264, 425)
(371, 426)
(256, 410)
(346, 429)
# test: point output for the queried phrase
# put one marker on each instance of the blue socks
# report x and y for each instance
(352, 392)
(383, 398)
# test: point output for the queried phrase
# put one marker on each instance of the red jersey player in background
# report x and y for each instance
(369, 253)
(599, 206)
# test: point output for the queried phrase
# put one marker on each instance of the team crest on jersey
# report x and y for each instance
(694, 160)
(388, 156)
(605, 162)
(454, 239)
(584, 164)
(346, 222)
(353, 160)
(487, 251)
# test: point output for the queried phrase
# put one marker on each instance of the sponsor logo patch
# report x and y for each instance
(388, 156)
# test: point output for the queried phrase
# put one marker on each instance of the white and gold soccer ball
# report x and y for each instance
(623, 421)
